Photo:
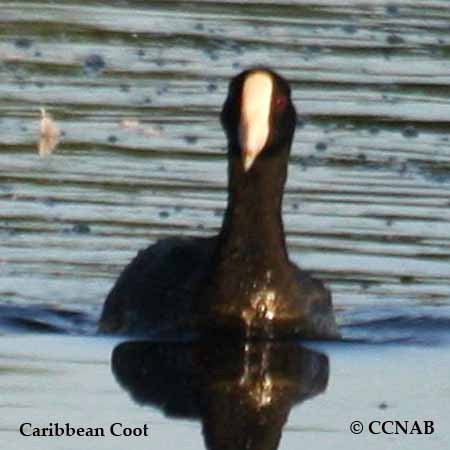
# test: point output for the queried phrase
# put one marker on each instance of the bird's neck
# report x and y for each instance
(253, 227)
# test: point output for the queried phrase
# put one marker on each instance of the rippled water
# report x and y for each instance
(136, 88)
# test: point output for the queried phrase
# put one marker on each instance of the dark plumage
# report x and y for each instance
(240, 281)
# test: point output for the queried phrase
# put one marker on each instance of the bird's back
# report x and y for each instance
(157, 289)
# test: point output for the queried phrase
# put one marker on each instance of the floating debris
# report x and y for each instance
(410, 131)
(349, 29)
(81, 228)
(361, 157)
(48, 134)
(392, 10)
(190, 139)
(139, 127)
(130, 123)
(94, 64)
(394, 39)
(23, 43)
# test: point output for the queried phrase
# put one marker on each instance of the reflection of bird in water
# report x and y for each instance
(241, 392)
(241, 280)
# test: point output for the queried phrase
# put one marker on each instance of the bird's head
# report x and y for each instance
(258, 115)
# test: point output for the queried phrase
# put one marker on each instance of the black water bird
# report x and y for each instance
(240, 281)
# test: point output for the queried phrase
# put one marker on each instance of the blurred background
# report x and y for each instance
(135, 89)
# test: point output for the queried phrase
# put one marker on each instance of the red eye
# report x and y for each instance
(280, 103)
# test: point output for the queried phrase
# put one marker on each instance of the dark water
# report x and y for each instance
(136, 88)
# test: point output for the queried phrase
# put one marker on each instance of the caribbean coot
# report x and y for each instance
(240, 281)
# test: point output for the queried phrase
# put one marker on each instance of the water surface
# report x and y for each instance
(136, 89)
